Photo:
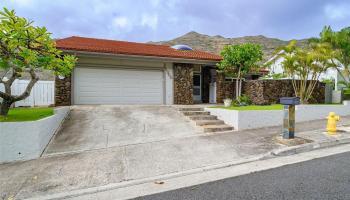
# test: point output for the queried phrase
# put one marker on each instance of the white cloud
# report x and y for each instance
(22, 2)
(155, 3)
(149, 20)
(337, 12)
(145, 20)
(121, 22)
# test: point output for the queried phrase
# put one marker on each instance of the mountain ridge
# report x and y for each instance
(214, 44)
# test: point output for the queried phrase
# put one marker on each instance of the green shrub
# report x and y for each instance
(274, 76)
(330, 81)
(242, 100)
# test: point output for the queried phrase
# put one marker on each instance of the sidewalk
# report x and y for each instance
(69, 172)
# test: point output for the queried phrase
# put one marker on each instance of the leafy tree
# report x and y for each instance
(25, 48)
(274, 76)
(237, 60)
(304, 66)
(340, 41)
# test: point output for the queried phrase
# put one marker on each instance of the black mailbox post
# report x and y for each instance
(289, 116)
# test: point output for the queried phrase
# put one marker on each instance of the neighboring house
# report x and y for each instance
(119, 72)
(277, 68)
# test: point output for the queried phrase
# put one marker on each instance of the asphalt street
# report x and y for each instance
(324, 178)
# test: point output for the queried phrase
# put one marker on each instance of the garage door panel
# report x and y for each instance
(117, 86)
(101, 86)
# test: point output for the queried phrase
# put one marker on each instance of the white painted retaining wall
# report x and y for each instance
(27, 140)
(251, 119)
(42, 93)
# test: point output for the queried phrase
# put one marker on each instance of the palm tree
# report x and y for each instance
(304, 66)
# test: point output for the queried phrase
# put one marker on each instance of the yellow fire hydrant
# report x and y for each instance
(332, 123)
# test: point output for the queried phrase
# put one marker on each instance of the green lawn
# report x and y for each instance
(26, 114)
(253, 107)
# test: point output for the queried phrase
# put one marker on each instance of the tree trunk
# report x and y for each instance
(29, 87)
(237, 88)
(8, 99)
(240, 87)
(238, 83)
(5, 107)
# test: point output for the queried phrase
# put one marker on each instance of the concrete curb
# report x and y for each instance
(79, 192)
(286, 151)
(308, 147)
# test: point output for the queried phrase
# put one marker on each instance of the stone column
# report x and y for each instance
(220, 87)
(183, 83)
(63, 91)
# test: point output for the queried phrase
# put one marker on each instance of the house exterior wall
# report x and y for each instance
(169, 83)
(63, 91)
(183, 83)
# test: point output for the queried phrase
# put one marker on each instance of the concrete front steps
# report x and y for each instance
(202, 119)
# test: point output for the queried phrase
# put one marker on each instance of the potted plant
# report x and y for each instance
(227, 102)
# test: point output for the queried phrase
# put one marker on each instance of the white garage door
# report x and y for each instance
(117, 86)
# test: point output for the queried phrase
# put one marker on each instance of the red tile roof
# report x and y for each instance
(130, 48)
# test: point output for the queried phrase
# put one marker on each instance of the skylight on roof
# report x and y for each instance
(182, 47)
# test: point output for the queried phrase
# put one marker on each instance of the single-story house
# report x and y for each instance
(120, 72)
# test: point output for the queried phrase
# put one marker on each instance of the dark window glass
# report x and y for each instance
(196, 80)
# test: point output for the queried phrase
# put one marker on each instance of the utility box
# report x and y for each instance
(289, 116)
(328, 93)
(290, 100)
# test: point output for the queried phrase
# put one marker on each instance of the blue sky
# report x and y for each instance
(154, 20)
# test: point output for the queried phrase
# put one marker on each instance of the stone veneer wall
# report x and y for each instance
(224, 89)
(220, 90)
(183, 83)
(63, 91)
(263, 92)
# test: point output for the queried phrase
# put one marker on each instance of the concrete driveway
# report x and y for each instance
(122, 164)
(98, 127)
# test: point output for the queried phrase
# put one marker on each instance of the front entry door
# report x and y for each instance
(197, 93)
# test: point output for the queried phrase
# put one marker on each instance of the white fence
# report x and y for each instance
(42, 93)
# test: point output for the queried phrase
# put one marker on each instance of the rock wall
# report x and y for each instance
(263, 92)
(63, 91)
(183, 83)
(220, 90)
(224, 89)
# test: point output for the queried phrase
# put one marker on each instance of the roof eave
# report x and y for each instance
(141, 57)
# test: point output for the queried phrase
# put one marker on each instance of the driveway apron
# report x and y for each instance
(98, 127)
